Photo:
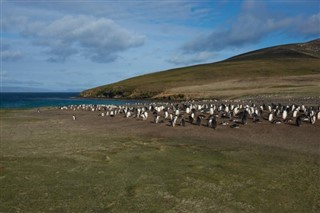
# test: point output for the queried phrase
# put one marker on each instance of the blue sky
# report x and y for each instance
(75, 45)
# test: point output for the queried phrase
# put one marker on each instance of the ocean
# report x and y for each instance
(36, 100)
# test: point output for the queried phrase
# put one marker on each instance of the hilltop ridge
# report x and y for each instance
(284, 70)
(309, 49)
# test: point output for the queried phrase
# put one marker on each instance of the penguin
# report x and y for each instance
(212, 122)
(199, 119)
(156, 117)
(270, 117)
(235, 126)
(174, 121)
(191, 119)
(284, 114)
(298, 121)
(244, 117)
(145, 115)
(313, 119)
(112, 113)
(211, 111)
(128, 114)
(74, 117)
(182, 121)
(166, 114)
(276, 121)
(256, 118)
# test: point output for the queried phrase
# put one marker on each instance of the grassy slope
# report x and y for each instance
(46, 168)
(266, 65)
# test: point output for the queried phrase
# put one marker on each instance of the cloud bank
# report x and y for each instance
(98, 39)
(7, 54)
(253, 24)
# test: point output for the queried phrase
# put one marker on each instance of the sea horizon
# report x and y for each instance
(29, 100)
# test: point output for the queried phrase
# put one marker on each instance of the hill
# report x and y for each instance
(285, 70)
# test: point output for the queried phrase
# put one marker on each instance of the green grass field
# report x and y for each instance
(48, 166)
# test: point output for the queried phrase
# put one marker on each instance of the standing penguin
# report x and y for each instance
(270, 117)
(284, 114)
(191, 118)
(313, 119)
(174, 121)
(182, 121)
(244, 118)
(199, 119)
(298, 121)
(212, 122)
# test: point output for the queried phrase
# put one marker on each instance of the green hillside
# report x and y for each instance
(284, 70)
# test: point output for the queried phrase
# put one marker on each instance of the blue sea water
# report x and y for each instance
(35, 100)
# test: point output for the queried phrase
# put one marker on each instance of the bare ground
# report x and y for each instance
(50, 163)
(286, 135)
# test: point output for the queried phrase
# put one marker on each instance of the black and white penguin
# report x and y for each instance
(212, 122)
(256, 117)
(182, 121)
(156, 117)
(313, 119)
(174, 121)
(235, 126)
(270, 117)
(191, 118)
(298, 121)
(284, 115)
(199, 119)
(244, 117)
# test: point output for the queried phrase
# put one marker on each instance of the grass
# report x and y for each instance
(46, 166)
(234, 88)
(162, 84)
(293, 60)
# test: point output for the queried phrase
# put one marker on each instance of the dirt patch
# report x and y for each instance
(285, 135)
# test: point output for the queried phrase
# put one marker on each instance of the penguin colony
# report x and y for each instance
(209, 114)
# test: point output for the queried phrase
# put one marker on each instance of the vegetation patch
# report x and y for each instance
(46, 168)
(272, 63)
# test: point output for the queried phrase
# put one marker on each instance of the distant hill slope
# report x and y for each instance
(309, 49)
(285, 70)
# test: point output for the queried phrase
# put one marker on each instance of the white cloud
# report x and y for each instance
(253, 24)
(311, 25)
(98, 39)
(9, 55)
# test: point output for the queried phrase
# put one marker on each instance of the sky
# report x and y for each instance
(75, 45)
